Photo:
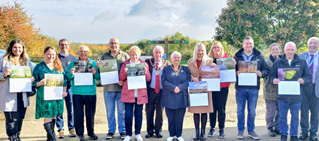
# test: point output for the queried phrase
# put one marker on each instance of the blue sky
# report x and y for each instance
(96, 21)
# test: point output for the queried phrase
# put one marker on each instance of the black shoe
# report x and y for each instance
(81, 138)
(149, 135)
(123, 134)
(196, 136)
(271, 132)
(283, 138)
(211, 132)
(13, 138)
(93, 137)
(50, 131)
(277, 132)
(18, 136)
(202, 135)
(294, 138)
(221, 134)
(109, 135)
(313, 136)
(159, 135)
(303, 136)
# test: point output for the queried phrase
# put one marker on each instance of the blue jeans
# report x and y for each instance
(69, 107)
(251, 96)
(283, 111)
(110, 98)
(136, 111)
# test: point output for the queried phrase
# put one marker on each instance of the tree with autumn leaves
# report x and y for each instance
(16, 24)
(268, 21)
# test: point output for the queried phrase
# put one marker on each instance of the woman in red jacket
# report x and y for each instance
(134, 98)
(219, 98)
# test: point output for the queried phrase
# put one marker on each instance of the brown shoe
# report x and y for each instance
(61, 134)
(72, 133)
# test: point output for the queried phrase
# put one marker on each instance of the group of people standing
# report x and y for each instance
(167, 88)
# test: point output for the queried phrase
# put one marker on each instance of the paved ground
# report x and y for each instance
(33, 130)
(187, 134)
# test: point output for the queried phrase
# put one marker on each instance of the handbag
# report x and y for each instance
(34, 91)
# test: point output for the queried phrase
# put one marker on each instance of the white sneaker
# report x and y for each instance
(138, 137)
(180, 138)
(169, 138)
(127, 138)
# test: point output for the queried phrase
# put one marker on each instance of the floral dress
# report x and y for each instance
(46, 108)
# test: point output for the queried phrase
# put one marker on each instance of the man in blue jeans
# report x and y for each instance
(290, 102)
(249, 93)
(112, 92)
(66, 58)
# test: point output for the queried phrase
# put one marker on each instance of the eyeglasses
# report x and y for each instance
(83, 51)
(216, 47)
(113, 43)
(63, 44)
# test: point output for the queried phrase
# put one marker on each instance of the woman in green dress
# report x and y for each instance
(48, 109)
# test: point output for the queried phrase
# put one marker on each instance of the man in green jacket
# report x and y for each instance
(83, 94)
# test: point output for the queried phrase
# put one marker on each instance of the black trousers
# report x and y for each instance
(154, 102)
(175, 119)
(219, 105)
(90, 105)
(309, 104)
(14, 119)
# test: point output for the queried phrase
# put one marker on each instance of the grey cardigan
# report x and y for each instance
(8, 101)
(304, 57)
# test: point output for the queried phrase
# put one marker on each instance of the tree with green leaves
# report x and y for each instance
(268, 21)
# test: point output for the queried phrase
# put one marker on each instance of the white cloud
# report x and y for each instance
(96, 21)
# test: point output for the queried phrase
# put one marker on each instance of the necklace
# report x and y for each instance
(156, 68)
(176, 72)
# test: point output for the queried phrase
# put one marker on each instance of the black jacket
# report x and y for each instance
(150, 68)
(261, 66)
(304, 73)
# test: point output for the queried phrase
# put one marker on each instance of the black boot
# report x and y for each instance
(13, 138)
(196, 136)
(18, 136)
(50, 131)
(53, 123)
(202, 135)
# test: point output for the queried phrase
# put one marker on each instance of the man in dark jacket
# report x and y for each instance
(249, 93)
(154, 92)
(310, 98)
(292, 102)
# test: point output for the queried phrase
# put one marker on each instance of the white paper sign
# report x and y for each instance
(213, 84)
(53, 93)
(289, 88)
(228, 75)
(110, 77)
(83, 79)
(198, 99)
(20, 85)
(247, 79)
(136, 82)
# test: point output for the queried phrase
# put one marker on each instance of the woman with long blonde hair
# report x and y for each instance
(219, 97)
(14, 105)
(194, 64)
(48, 109)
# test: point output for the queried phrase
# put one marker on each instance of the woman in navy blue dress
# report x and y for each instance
(175, 79)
